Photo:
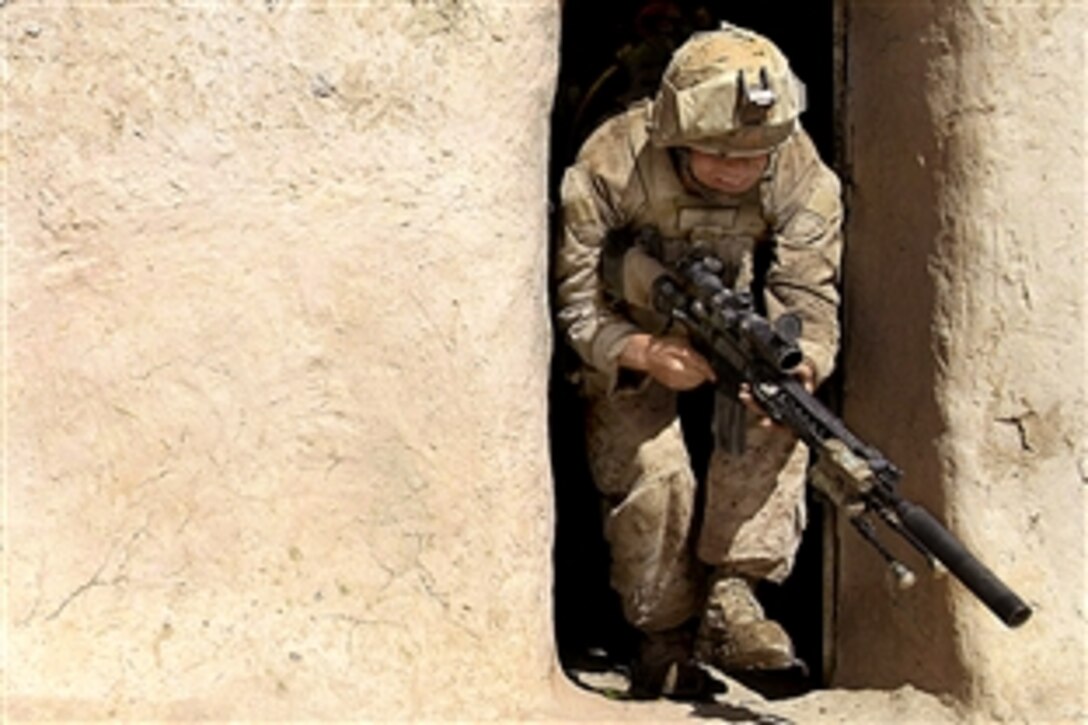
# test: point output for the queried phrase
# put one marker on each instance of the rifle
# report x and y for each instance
(745, 348)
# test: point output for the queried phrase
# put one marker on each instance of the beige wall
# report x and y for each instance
(965, 361)
(277, 336)
(277, 346)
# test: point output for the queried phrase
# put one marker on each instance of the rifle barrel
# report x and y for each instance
(1001, 600)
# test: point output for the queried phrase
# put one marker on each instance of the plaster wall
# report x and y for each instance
(276, 333)
(965, 358)
(277, 343)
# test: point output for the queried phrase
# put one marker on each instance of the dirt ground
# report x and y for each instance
(594, 698)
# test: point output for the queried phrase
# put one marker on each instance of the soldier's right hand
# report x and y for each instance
(669, 360)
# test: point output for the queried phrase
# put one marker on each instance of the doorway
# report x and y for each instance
(611, 55)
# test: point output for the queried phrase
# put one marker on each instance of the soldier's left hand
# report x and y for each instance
(803, 372)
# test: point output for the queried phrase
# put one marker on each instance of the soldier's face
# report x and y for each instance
(730, 175)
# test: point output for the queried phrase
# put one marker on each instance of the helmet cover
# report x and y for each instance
(729, 91)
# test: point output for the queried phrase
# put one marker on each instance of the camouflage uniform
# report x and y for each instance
(754, 505)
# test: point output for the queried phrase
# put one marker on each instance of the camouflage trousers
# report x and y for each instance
(664, 539)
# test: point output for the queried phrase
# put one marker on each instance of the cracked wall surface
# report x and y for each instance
(966, 358)
(277, 345)
(276, 324)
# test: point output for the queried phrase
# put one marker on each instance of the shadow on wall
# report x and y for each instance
(893, 232)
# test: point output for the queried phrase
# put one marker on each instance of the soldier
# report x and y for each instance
(717, 159)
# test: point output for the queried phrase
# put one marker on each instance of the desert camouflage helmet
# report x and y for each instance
(727, 91)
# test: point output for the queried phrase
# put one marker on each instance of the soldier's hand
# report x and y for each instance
(804, 373)
(669, 360)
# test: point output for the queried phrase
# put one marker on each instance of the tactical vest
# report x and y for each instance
(733, 228)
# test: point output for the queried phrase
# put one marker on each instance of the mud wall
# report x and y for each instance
(275, 365)
(277, 344)
(965, 359)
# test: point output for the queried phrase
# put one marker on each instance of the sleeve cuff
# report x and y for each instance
(606, 352)
(820, 357)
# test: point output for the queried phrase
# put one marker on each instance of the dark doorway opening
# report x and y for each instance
(612, 54)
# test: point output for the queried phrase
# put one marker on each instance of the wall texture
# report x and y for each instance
(966, 356)
(277, 344)
(276, 329)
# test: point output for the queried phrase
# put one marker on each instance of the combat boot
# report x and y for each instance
(665, 666)
(735, 634)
